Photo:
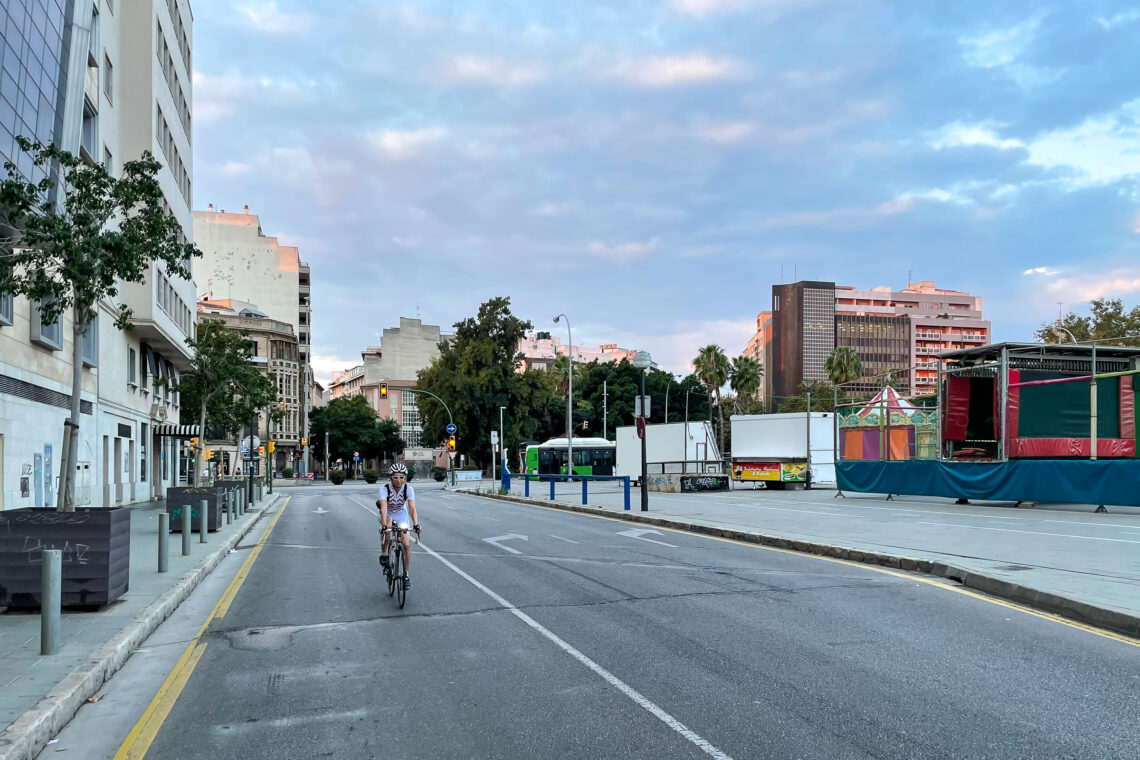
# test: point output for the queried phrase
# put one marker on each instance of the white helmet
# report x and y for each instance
(397, 468)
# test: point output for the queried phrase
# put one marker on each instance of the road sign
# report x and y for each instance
(495, 448)
(641, 406)
(494, 436)
(452, 455)
(640, 427)
(356, 455)
(451, 428)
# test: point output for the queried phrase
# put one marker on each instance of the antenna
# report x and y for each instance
(909, 277)
(417, 311)
(1059, 305)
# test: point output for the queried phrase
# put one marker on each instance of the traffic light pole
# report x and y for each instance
(450, 461)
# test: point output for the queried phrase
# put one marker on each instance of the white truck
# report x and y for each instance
(667, 446)
(773, 449)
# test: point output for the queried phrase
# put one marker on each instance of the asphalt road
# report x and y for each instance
(593, 638)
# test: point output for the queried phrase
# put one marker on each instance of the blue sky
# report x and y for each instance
(650, 167)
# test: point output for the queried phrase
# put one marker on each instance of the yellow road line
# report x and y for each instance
(142, 735)
(875, 568)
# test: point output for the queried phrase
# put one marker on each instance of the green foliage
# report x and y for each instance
(713, 370)
(1108, 319)
(843, 365)
(822, 399)
(475, 375)
(745, 379)
(370, 476)
(351, 425)
(438, 474)
(336, 477)
(287, 472)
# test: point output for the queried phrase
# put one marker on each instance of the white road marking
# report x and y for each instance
(560, 538)
(494, 541)
(320, 511)
(1034, 532)
(639, 534)
(607, 676)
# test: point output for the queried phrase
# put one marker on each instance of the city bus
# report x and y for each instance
(592, 456)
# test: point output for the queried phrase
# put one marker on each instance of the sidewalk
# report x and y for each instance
(1062, 559)
(40, 694)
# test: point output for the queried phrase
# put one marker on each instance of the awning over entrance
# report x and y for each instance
(177, 431)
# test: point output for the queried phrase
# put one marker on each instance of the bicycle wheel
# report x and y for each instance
(400, 572)
(390, 571)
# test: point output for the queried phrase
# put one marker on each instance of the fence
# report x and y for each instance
(586, 480)
(688, 467)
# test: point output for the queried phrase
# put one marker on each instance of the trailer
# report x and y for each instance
(773, 449)
(674, 447)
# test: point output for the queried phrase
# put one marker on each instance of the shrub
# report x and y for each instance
(287, 472)
(336, 477)
(438, 474)
(371, 476)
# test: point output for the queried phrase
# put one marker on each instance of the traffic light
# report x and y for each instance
(261, 451)
(272, 446)
(304, 441)
(586, 425)
(451, 443)
(194, 443)
(383, 390)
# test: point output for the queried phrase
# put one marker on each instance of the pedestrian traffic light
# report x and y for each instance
(451, 443)
(383, 390)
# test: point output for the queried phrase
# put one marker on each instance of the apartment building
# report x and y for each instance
(757, 345)
(105, 80)
(540, 349)
(240, 263)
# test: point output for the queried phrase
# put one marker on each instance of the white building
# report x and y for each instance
(125, 88)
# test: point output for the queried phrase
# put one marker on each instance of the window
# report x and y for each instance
(91, 343)
(108, 78)
(132, 360)
(90, 135)
(48, 336)
(6, 309)
(108, 161)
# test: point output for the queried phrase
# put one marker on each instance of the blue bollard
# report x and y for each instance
(552, 488)
(626, 479)
(526, 485)
(584, 497)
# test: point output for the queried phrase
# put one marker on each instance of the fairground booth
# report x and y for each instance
(1011, 422)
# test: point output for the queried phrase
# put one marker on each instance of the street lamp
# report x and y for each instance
(569, 397)
(502, 444)
(643, 361)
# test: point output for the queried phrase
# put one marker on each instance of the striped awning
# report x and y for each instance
(177, 431)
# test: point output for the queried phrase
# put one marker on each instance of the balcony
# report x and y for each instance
(973, 338)
(928, 336)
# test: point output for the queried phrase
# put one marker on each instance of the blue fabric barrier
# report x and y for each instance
(1068, 481)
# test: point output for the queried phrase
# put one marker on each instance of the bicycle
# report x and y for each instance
(396, 572)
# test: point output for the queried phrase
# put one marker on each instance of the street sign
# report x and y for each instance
(494, 436)
(640, 427)
(451, 428)
(452, 455)
(356, 455)
(495, 448)
(641, 406)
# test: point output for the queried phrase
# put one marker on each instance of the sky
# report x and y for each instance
(652, 167)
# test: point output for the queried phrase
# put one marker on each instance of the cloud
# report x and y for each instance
(1120, 19)
(963, 135)
(1090, 285)
(218, 97)
(401, 144)
(724, 133)
(1136, 225)
(487, 70)
(1040, 271)
(325, 364)
(704, 7)
(675, 351)
(673, 70)
(999, 47)
(847, 218)
(624, 253)
(1101, 150)
(267, 18)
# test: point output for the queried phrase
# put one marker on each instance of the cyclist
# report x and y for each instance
(397, 500)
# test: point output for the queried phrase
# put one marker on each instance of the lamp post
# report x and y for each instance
(569, 397)
(685, 464)
(502, 444)
(643, 362)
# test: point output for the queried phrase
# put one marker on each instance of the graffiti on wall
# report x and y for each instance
(695, 483)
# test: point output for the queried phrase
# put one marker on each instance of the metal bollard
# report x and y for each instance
(552, 488)
(203, 522)
(584, 497)
(229, 507)
(186, 509)
(50, 598)
(163, 542)
(240, 494)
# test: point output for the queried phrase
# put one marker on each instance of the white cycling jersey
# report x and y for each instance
(397, 500)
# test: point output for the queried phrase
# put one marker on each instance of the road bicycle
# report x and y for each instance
(396, 573)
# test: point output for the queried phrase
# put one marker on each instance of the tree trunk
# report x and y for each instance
(720, 422)
(65, 499)
(201, 446)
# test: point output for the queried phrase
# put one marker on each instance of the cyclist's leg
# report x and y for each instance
(406, 540)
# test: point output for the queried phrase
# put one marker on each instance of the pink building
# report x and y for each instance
(540, 349)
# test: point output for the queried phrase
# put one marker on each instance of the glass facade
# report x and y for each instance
(409, 420)
(883, 345)
(31, 50)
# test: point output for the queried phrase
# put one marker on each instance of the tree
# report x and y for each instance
(843, 365)
(713, 369)
(69, 246)
(351, 425)
(222, 385)
(745, 379)
(1108, 320)
(822, 398)
(475, 374)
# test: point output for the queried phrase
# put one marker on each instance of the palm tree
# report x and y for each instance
(713, 369)
(560, 368)
(745, 377)
(843, 366)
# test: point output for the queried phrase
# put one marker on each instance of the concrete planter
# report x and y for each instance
(179, 498)
(96, 547)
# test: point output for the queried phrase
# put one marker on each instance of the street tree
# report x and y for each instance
(1108, 321)
(843, 365)
(222, 387)
(68, 242)
(475, 374)
(351, 425)
(713, 369)
(745, 379)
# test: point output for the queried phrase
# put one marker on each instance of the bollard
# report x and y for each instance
(203, 522)
(241, 502)
(163, 542)
(626, 479)
(50, 597)
(186, 509)
(229, 508)
(584, 497)
(552, 488)
(526, 485)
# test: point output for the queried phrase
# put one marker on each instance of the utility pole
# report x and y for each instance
(326, 456)
(605, 405)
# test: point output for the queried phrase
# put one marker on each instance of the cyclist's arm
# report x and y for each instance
(412, 511)
(383, 510)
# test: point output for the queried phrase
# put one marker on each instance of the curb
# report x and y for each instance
(1042, 601)
(27, 736)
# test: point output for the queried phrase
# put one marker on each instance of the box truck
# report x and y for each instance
(773, 449)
